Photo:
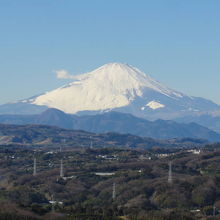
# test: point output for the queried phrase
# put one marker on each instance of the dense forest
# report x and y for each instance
(109, 183)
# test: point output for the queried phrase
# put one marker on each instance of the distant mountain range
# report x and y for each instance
(115, 87)
(209, 121)
(115, 122)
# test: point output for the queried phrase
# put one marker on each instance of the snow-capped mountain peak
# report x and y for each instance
(126, 77)
(116, 87)
(113, 85)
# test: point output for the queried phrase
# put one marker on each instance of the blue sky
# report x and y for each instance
(177, 42)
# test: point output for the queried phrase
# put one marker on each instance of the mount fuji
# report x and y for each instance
(115, 87)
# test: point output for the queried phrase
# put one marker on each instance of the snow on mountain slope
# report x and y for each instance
(155, 105)
(111, 86)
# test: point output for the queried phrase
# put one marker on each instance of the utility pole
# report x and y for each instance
(170, 177)
(35, 167)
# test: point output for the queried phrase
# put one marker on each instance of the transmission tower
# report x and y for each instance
(170, 178)
(91, 143)
(61, 148)
(35, 167)
(61, 168)
(53, 203)
(214, 210)
(113, 191)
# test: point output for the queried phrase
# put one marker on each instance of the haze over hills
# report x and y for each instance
(212, 122)
(115, 122)
(115, 87)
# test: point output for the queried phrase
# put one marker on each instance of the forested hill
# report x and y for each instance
(42, 135)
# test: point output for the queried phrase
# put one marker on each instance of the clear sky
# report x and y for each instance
(177, 42)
